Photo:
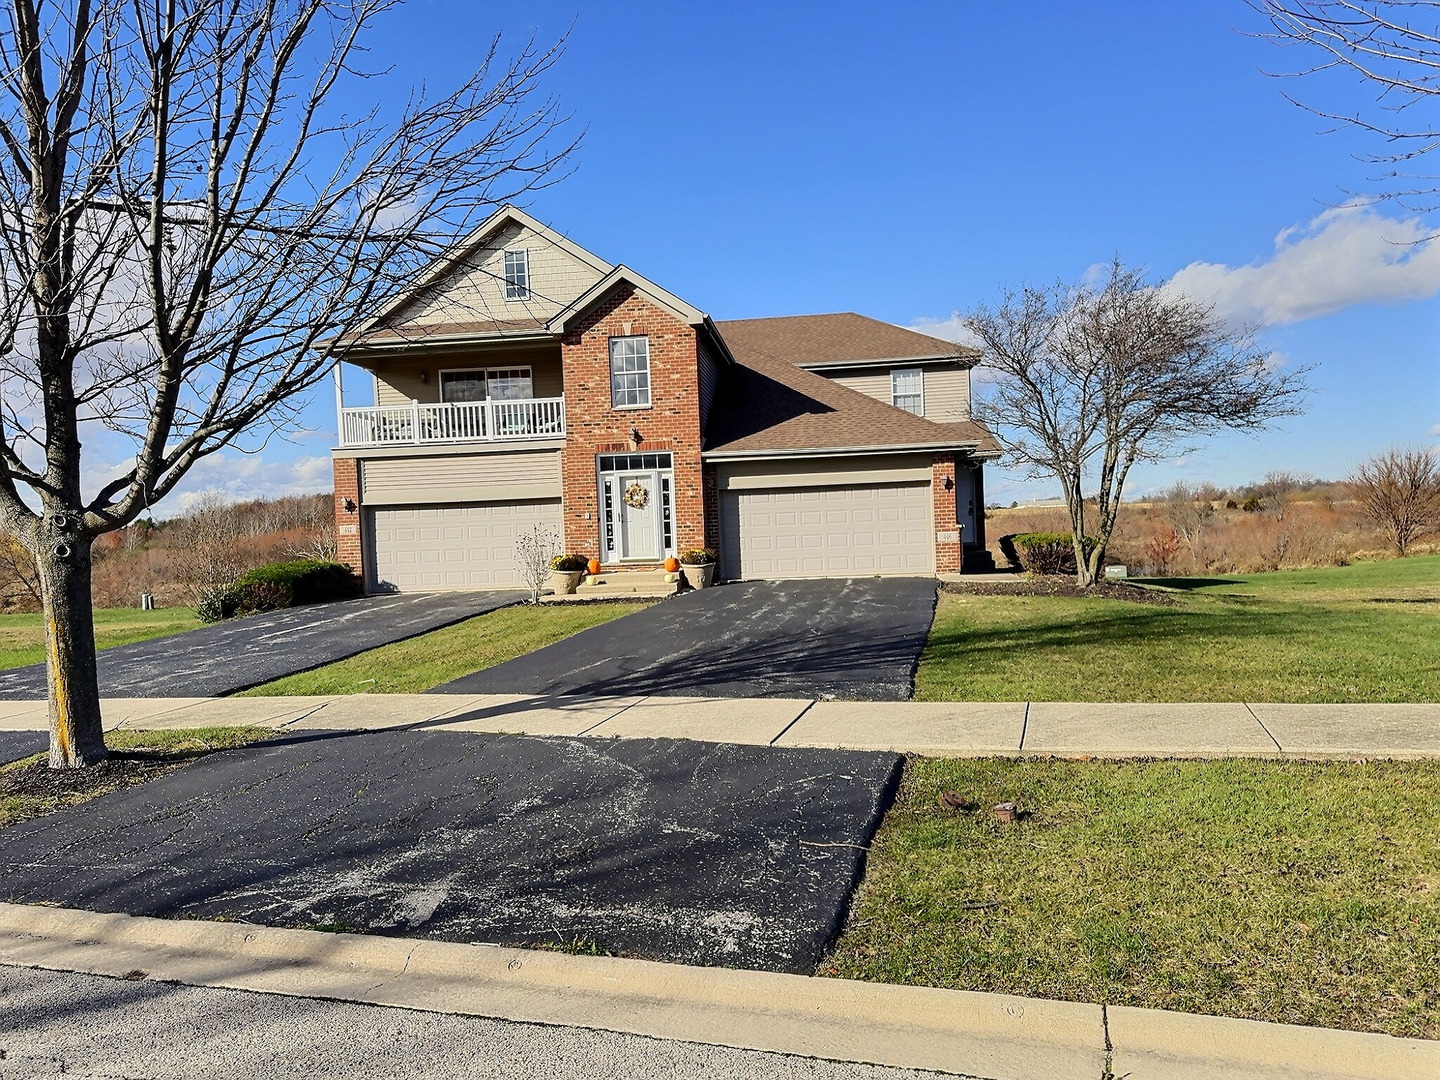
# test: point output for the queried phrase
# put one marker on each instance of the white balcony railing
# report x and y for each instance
(457, 421)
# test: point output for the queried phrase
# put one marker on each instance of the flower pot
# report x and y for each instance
(565, 582)
(697, 577)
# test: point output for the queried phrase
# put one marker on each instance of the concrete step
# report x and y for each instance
(621, 583)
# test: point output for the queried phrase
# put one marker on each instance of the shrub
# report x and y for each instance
(569, 564)
(216, 603)
(697, 557)
(291, 583)
(1046, 553)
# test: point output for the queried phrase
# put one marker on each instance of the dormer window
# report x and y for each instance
(907, 390)
(517, 275)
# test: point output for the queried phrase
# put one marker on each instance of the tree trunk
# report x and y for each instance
(77, 737)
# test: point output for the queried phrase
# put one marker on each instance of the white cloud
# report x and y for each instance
(1348, 255)
(950, 328)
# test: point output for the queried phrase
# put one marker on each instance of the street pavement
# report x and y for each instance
(56, 1024)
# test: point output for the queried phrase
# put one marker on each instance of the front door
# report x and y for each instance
(640, 516)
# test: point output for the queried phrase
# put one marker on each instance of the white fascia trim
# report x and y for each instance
(693, 316)
(835, 451)
(444, 263)
(893, 361)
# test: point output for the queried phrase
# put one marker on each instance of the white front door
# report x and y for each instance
(640, 516)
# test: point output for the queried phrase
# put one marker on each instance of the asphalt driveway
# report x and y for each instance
(15, 745)
(857, 639)
(669, 849)
(227, 657)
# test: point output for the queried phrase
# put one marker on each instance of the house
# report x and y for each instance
(524, 381)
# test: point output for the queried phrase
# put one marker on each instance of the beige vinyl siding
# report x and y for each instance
(475, 290)
(470, 478)
(398, 382)
(823, 472)
(947, 389)
(709, 382)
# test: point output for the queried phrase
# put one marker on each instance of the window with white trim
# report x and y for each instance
(517, 274)
(630, 372)
(494, 384)
(907, 390)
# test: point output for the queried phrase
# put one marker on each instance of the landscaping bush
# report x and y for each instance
(217, 603)
(281, 585)
(569, 564)
(1045, 553)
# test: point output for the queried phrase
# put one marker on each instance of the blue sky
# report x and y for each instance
(905, 160)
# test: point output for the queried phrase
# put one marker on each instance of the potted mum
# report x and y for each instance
(698, 565)
(566, 572)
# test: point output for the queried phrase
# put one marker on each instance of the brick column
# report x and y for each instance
(347, 522)
(947, 531)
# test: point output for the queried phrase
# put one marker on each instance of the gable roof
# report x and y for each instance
(770, 404)
(842, 339)
(597, 292)
(375, 329)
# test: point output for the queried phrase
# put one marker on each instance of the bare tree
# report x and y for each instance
(1400, 492)
(189, 222)
(1190, 512)
(1091, 380)
(1392, 47)
(533, 552)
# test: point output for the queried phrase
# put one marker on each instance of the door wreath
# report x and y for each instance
(637, 496)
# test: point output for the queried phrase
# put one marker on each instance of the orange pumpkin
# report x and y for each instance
(594, 566)
(672, 564)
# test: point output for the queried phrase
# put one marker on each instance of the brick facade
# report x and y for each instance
(947, 550)
(670, 423)
(348, 548)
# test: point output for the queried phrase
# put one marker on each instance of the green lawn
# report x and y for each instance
(1360, 633)
(1296, 892)
(22, 637)
(411, 667)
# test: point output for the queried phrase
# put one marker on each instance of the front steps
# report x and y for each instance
(620, 585)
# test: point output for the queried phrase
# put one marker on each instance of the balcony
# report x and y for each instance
(420, 424)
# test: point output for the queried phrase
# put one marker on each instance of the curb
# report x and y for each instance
(994, 1036)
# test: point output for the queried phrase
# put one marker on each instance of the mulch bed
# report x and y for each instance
(1052, 585)
(45, 790)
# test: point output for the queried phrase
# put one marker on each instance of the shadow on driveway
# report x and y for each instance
(857, 639)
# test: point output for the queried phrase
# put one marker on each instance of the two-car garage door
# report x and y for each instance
(453, 547)
(831, 531)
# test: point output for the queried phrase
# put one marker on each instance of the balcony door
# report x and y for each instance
(637, 513)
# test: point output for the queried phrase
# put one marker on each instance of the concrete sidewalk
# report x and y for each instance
(950, 729)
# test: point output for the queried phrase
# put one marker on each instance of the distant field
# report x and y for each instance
(22, 637)
(1364, 633)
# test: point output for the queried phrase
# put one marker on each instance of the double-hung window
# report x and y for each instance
(517, 275)
(630, 372)
(907, 390)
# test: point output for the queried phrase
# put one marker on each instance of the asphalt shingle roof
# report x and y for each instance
(768, 403)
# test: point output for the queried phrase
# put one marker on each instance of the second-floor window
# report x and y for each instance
(496, 384)
(907, 390)
(630, 372)
(517, 275)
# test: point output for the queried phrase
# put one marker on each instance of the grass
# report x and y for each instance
(417, 665)
(1293, 892)
(29, 789)
(22, 637)
(1363, 633)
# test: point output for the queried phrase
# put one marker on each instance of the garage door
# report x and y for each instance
(453, 547)
(827, 532)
